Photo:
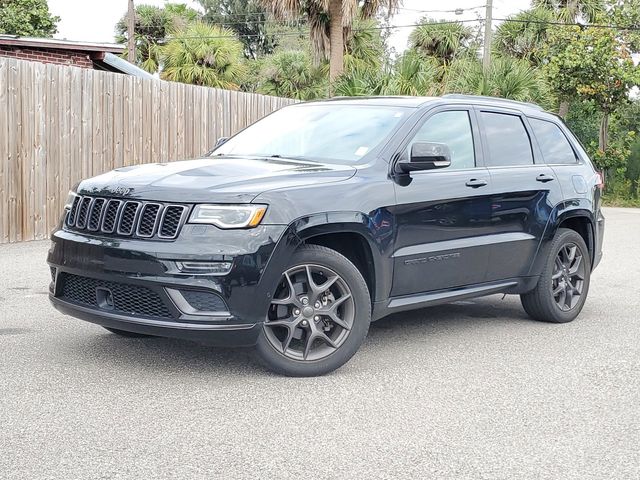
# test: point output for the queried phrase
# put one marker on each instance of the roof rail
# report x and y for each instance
(459, 96)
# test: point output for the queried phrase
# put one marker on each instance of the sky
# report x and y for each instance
(94, 20)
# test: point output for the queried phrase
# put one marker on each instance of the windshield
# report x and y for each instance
(325, 132)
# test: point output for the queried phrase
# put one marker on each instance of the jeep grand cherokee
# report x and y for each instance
(296, 233)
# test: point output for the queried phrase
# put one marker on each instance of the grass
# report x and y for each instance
(616, 201)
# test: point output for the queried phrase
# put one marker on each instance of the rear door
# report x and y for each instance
(441, 215)
(524, 191)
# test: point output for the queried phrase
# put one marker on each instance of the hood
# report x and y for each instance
(214, 179)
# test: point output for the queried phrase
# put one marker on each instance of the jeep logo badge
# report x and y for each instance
(122, 191)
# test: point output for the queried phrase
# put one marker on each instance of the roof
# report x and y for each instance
(398, 101)
(415, 102)
(113, 63)
(15, 40)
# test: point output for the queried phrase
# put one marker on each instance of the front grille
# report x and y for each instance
(171, 221)
(204, 301)
(122, 298)
(96, 214)
(127, 218)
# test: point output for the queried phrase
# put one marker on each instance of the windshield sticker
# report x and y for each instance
(361, 151)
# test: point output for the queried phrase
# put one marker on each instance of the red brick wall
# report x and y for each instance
(59, 57)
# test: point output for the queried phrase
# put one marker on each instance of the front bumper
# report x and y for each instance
(134, 285)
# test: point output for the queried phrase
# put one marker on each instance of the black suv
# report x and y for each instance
(296, 233)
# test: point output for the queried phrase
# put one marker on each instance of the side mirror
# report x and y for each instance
(426, 156)
(220, 141)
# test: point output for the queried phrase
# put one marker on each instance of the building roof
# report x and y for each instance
(113, 63)
(89, 47)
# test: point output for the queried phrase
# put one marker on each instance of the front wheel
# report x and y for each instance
(564, 283)
(319, 314)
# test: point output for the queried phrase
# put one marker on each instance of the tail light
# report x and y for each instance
(600, 180)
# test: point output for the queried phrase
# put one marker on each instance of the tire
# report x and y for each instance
(541, 303)
(282, 344)
(124, 333)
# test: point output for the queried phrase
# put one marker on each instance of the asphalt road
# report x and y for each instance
(469, 390)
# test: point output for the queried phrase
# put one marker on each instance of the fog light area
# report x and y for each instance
(204, 268)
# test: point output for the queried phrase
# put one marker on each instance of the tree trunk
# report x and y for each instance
(336, 54)
(603, 134)
(563, 109)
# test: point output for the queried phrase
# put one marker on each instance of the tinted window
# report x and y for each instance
(453, 129)
(325, 132)
(554, 145)
(507, 139)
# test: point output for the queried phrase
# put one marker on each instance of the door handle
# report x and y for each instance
(476, 183)
(544, 178)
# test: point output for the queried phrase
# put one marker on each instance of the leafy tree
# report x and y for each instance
(203, 54)
(442, 40)
(27, 18)
(292, 74)
(592, 64)
(328, 20)
(248, 19)
(152, 26)
(627, 13)
(571, 11)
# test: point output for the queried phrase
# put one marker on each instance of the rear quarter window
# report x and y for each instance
(554, 145)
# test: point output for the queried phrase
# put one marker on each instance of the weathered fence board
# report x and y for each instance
(61, 124)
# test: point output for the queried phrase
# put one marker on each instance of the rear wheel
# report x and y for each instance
(564, 283)
(319, 314)
(124, 333)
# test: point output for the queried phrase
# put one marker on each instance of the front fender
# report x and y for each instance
(376, 229)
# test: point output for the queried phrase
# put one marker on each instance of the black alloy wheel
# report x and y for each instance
(564, 282)
(568, 277)
(311, 313)
(319, 314)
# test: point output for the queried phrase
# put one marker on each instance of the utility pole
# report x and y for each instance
(486, 55)
(131, 30)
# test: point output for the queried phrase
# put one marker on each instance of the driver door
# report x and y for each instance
(443, 215)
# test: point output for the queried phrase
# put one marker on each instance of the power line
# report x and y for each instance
(414, 25)
(366, 29)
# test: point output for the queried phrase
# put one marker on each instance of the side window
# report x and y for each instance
(507, 139)
(452, 128)
(554, 145)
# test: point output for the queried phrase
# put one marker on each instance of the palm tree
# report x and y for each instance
(152, 26)
(526, 36)
(410, 75)
(414, 75)
(329, 21)
(507, 77)
(442, 40)
(572, 10)
(291, 74)
(203, 54)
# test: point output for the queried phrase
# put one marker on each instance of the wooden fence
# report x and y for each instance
(61, 124)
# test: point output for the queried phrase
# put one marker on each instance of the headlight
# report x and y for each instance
(70, 199)
(229, 216)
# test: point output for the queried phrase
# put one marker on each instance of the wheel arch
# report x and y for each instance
(573, 215)
(353, 234)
